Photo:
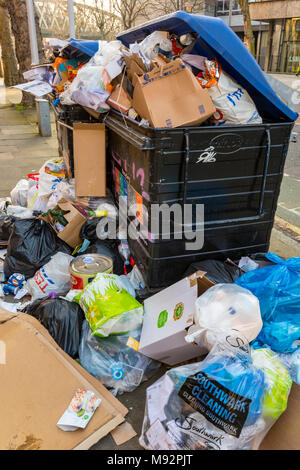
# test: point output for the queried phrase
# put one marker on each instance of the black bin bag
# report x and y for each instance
(63, 320)
(31, 244)
(6, 226)
(216, 271)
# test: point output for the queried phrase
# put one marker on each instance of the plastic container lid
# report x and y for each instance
(91, 264)
(217, 40)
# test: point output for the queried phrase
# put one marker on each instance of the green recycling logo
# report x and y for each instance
(178, 311)
(162, 319)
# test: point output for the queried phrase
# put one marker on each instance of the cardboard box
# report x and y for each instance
(170, 96)
(38, 381)
(89, 159)
(71, 233)
(167, 315)
(134, 65)
(120, 100)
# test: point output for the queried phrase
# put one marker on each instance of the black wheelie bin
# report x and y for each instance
(238, 183)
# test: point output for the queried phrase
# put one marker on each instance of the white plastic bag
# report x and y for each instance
(51, 173)
(223, 309)
(36, 202)
(91, 86)
(19, 193)
(233, 103)
(54, 276)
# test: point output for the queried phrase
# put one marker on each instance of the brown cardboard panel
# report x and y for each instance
(38, 383)
(119, 99)
(37, 326)
(285, 433)
(123, 433)
(170, 96)
(89, 159)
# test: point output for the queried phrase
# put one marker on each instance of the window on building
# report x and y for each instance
(290, 55)
(224, 5)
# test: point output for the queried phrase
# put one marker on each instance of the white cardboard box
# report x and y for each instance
(167, 315)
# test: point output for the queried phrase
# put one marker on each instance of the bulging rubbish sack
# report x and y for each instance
(278, 289)
(19, 193)
(216, 404)
(53, 277)
(224, 308)
(31, 244)
(115, 360)
(63, 320)
(233, 103)
(108, 307)
(51, 173)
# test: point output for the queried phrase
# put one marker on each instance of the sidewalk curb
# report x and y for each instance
(287, 232)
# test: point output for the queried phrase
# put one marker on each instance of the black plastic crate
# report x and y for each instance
(235, 171)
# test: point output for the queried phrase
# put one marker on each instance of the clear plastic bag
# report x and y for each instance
(20, 212)
(277, 288)
(225, 308)
(218, 403)
(54, 276)
(91, 87)
(108, 307)
(118, 366)
(153, 42)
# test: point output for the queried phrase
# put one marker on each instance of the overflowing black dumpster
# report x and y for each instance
(235, 171)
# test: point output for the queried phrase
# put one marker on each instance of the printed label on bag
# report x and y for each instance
(133, 343)
(219, 405)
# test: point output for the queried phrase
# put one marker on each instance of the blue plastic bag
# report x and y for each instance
(278, 290)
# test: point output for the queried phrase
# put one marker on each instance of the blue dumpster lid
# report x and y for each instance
(217, 40)
(82, 45)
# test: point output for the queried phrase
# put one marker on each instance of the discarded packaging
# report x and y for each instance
(170, 96)
(84, 269)
(46, 381)
(108, 307)
(80, 411)
(167, 316)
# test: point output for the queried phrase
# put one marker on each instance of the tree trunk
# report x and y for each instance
(248, 33)
(18, 14)
(9, 61)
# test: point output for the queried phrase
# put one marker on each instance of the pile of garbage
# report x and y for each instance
(228, 331)
(157, 82)
(238, 342)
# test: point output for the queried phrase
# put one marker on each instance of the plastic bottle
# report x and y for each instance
(124, 251)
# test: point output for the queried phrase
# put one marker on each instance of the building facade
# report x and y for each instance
(279, 46)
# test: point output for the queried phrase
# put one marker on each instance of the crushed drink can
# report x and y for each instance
(14, 284)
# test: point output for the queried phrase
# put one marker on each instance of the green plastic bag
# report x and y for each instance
(108, 307)
(278, 381)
